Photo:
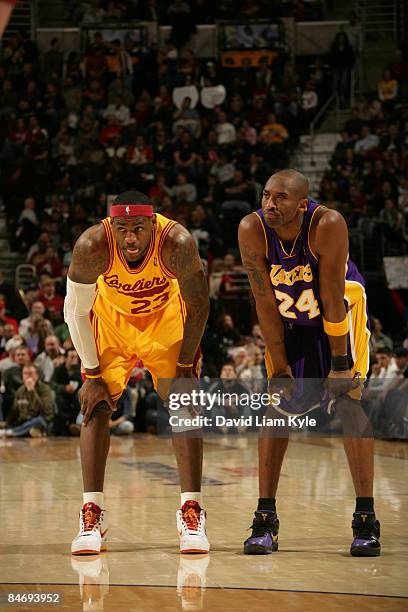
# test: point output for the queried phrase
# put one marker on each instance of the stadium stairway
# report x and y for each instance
(22, 18)
(314, 161)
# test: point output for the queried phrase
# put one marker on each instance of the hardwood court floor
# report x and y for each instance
(40, 497)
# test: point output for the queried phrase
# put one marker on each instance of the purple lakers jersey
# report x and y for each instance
(295, 276)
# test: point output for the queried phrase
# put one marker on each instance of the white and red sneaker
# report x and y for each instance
(191, 528)
(93, 528)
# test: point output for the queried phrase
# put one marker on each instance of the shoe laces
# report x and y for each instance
(91, 516)
(364, 528)
(190, 512)
(261, 524)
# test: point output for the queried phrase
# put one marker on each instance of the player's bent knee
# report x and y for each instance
(102, 410)
(353, 418)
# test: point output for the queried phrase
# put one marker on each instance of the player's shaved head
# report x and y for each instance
(295, 180)
(284, 198)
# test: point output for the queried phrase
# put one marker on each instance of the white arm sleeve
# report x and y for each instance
(77, 306)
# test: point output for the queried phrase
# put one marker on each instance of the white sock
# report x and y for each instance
(190, 496)
(95, 497)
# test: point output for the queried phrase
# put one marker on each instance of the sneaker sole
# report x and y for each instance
(198, 551)
(86, 552)
(257, 549)
(365, 552)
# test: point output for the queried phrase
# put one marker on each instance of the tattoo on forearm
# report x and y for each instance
(184, 261)
(194, 291)
(256, 270)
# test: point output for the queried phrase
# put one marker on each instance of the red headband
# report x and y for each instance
(131, 210)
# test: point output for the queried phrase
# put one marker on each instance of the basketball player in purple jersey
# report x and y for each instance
(311, 306)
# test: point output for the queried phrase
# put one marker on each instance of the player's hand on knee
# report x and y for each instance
(282, 383)
(187, 384)
(94, 391)
(339, 384)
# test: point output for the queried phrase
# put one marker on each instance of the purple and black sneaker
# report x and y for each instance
(366, 532)
(264, 538)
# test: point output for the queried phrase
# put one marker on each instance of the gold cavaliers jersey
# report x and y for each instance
(143, 290)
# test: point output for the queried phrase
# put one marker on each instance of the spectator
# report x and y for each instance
(27, 225)
(395, 408)
(185, 154)
(286, 95)
(4, 318)
(228, 335)
(388, 89)
(66, 382)
(9, 294)
(367, 142)
(226, 132)
(256, 337)
(273, 134)
(8, 362)
(119, 110)
(223, 169)
(39, 329)
(51, 300)
(50, 358)
(32, 411)
(38, 249)
(231, 391)
(13, 377)
(393, 221)
(184, 187)
(8, 332)
(51, 263)
(389, 369)
(54, 60)
(187, 118)
(378, 339)
(342, 61)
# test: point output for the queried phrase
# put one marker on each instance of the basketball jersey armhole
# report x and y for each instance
(164, 234)
(264, 233)
(308, 232)
(111, 244)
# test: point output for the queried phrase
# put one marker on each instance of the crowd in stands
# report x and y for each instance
(78, 128)
(191, 11)
(367, 178)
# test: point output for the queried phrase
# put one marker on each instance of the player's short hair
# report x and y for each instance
(132, 197)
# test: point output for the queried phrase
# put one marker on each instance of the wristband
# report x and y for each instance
(340, 363)
(93, 375)
(336, 329)
(184, 365)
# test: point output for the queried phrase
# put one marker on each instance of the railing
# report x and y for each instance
(316, 120)
(378, 16)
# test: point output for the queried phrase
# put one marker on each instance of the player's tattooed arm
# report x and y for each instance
(330, 243)
(90, 256)
(252, 247)
(180, 255)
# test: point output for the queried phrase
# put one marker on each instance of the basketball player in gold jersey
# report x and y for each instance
(136, 289)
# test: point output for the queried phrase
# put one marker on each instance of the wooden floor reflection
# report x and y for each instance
(40, 488)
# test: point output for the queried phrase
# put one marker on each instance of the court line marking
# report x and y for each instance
(229, 588)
